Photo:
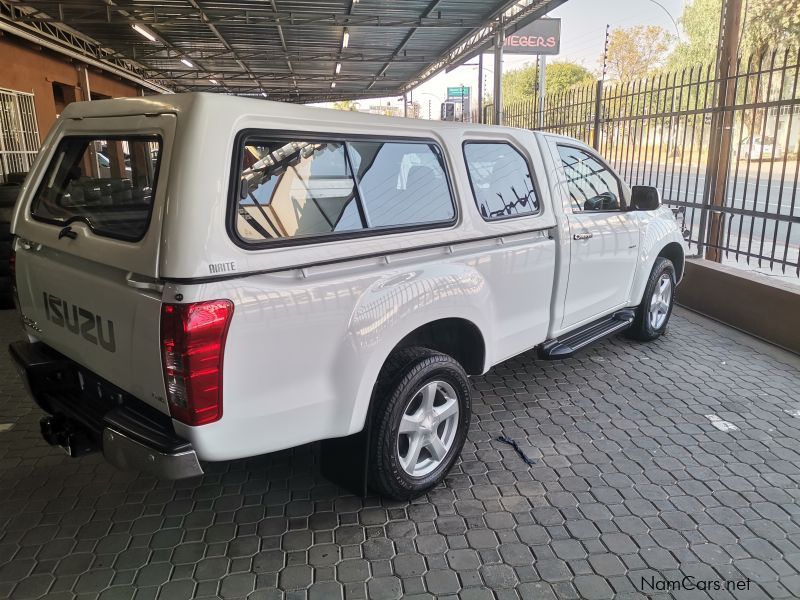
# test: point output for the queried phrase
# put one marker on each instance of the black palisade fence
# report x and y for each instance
(721, 146)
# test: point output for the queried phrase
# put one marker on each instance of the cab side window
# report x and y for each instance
(501, 180)
(592, 186)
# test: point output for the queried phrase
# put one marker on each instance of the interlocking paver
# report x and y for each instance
(631, 480)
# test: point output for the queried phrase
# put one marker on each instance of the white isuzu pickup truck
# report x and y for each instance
(206, 278)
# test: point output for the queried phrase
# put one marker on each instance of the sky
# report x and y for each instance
(583, 29)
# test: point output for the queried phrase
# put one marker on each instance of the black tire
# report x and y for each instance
(643, 328)
(5, 259)
(5, 233)
(6, 295)
(401, 381)
(9, 193)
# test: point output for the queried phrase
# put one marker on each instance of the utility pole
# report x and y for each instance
(598, 97)
(718, 163)
(498, 73)
(605, 55)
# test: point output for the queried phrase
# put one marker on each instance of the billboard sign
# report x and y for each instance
(542, 36)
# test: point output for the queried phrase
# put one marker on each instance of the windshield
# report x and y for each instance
(108, 183)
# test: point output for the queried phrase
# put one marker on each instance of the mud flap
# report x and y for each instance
(345, 461)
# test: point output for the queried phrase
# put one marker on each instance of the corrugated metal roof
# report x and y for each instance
(288, 50)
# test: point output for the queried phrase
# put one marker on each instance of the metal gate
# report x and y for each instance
(19, 133)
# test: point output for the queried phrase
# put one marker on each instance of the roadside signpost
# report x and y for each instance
(457, 105)
(540, 38)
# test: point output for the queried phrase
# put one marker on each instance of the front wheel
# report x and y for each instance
(654, 312)
(421, 414)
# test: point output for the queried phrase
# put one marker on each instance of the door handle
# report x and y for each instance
(582, 236)
(139, 284)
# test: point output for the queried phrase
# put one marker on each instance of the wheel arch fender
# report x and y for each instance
(660, 237)
(403, 308)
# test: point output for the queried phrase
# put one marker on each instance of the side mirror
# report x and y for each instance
(645, 197)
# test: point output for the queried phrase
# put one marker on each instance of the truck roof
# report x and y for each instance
(217, 105)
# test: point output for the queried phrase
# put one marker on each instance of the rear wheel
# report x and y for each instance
(421, 414)
(6, 295)
(655, 310)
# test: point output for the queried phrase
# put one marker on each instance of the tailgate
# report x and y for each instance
(91, 313)
(89, 236)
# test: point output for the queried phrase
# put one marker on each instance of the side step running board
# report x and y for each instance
(569, 344)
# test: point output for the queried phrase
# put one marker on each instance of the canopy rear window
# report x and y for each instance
(107, 183)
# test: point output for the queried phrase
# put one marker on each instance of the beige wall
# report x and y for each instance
(750, 302)
(25, 68)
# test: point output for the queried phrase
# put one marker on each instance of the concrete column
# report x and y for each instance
(83, 79)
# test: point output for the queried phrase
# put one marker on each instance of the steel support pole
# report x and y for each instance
(498, 74)
(480, 87)
(718, 164)
(542, 91)
(405, 104)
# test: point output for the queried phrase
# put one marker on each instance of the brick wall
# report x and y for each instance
(27, 68)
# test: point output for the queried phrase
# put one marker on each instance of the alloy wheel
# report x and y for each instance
(660, 301)
(428, 428)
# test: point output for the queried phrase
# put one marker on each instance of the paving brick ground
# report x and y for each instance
(632, 482)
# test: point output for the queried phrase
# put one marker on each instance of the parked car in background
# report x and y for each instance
(759, 148)
(268, 275)
(9, 191)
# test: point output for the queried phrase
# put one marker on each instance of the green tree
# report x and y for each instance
(771, 24)
(767, 25)
(522, 84)
(700, 21)
(636, 52)
(350, 105)
(562, 76)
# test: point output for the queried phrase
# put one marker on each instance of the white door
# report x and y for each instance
(604, 237)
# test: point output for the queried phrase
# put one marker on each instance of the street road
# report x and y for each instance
(765, 187)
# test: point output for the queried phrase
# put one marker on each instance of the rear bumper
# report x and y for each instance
(125, 452)
(99, 416)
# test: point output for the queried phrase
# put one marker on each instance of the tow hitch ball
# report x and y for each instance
(58, 431)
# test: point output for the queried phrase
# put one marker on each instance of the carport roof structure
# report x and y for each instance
(299, 51)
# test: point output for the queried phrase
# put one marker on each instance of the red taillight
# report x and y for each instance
(192, 348)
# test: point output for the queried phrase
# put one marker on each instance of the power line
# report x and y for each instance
(671, 18)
